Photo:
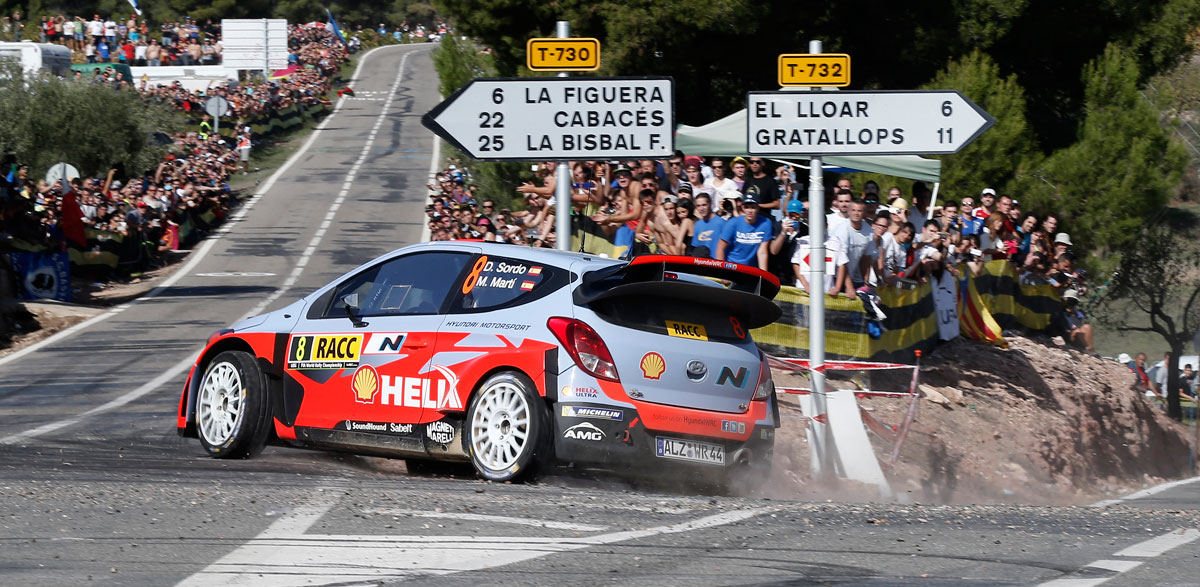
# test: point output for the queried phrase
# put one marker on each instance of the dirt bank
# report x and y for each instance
(1034, 424)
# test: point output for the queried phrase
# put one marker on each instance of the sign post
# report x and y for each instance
(217, 106)
(820, 438)
(562, 176)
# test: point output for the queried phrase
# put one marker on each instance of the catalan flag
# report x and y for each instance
(975, 320)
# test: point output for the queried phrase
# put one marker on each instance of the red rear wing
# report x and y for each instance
(741, 277)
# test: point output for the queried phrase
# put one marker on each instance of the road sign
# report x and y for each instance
(544, 119)
(217, 106)
(57, 170)
(918, 122)
(830, 268)
(549, 54)
(814, 69)
(254, 43)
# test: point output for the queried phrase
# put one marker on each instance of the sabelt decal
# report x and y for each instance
(410, 392)
(384, 343)
(324, 351)
(653, 365)
(593, 413)
(686, 330)
(378, 427)
(441, 432)
(584, 431)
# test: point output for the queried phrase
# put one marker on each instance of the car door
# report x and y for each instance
(365, 366)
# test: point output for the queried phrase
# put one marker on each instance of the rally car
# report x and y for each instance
(508, 357)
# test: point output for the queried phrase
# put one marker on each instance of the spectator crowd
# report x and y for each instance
(131, 41)
(190, 186)
(753, 211)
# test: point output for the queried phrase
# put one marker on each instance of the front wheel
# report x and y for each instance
(231, 412)
(508, 428)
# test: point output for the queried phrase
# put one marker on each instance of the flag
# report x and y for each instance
(333, 25)
(71, 220)
(12, 174)
(975, 320)
(346, 91)
(133, 3)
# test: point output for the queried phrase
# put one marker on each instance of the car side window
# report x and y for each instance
(412, 284)
(497, 282)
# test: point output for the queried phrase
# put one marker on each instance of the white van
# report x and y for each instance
(38, 56)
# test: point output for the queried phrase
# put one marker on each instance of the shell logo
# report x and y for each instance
(365, 384)
(653, 365)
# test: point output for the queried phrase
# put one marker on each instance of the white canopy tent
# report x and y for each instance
(727, 138)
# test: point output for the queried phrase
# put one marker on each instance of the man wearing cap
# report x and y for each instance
(783, 246)
(693, 175)
(1079, 332)
(707, 229)
(986, 199)
(744, 238)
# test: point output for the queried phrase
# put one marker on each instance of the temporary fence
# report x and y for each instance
(980, 307)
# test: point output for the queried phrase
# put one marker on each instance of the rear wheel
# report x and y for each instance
(231, 412)
(508, 428)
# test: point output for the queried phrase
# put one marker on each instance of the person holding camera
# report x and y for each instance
(706, 228)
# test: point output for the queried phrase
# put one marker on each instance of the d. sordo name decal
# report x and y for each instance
(410, 392)
(584, 431)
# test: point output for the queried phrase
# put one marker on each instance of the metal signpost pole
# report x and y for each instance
(562, 184)
(266, 51)
(816, 308)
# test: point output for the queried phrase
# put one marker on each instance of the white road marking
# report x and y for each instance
(194, 259)
(1161, 487)
(284, 555)
(1160, 544)
(495, 519)
(1146, 549)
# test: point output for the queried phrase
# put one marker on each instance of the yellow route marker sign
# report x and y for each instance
(549, 54)
(814, 69)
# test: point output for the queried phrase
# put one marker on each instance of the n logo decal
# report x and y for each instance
(384, 343)
(727, 377)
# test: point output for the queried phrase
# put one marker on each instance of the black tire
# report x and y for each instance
(508, 446)
(232, 383)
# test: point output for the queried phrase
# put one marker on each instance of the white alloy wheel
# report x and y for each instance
(500, 425)
(222, 403)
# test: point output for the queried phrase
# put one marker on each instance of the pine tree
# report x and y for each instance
(993, 158)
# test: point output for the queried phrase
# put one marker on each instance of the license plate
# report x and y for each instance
(689, 450)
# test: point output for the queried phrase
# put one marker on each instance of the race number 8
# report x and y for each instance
(473, 276)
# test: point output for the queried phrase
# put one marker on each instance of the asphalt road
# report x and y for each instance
(95, 486)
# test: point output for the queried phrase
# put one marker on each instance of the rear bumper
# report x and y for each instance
(589, 436)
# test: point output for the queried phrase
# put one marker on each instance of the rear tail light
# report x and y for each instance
(766, 385)
(586, 347)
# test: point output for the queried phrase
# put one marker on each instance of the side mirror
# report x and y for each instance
(350, 302)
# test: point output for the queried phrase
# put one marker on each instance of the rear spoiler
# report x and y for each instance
(749, 293)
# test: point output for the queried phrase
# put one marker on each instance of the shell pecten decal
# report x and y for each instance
(365, 384)
(653, 365)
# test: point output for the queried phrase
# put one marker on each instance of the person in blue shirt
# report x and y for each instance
(706, 230)
(744, 238)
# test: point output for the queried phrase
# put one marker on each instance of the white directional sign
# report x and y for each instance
(861, 123)
(543, 119)
(254, 43)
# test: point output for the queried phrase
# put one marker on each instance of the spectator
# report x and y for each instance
(744, 239)
(1142, 381)
(841, 208)
(725, 188)
(835, 284)
(707, 229)
(764, 187)
(783, 247)
(857, 238)
(1062, 243)
(737, 169)
(987, 198)
(1078, 331)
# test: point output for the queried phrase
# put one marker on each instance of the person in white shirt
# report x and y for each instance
(858, 239)
(841, 209)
